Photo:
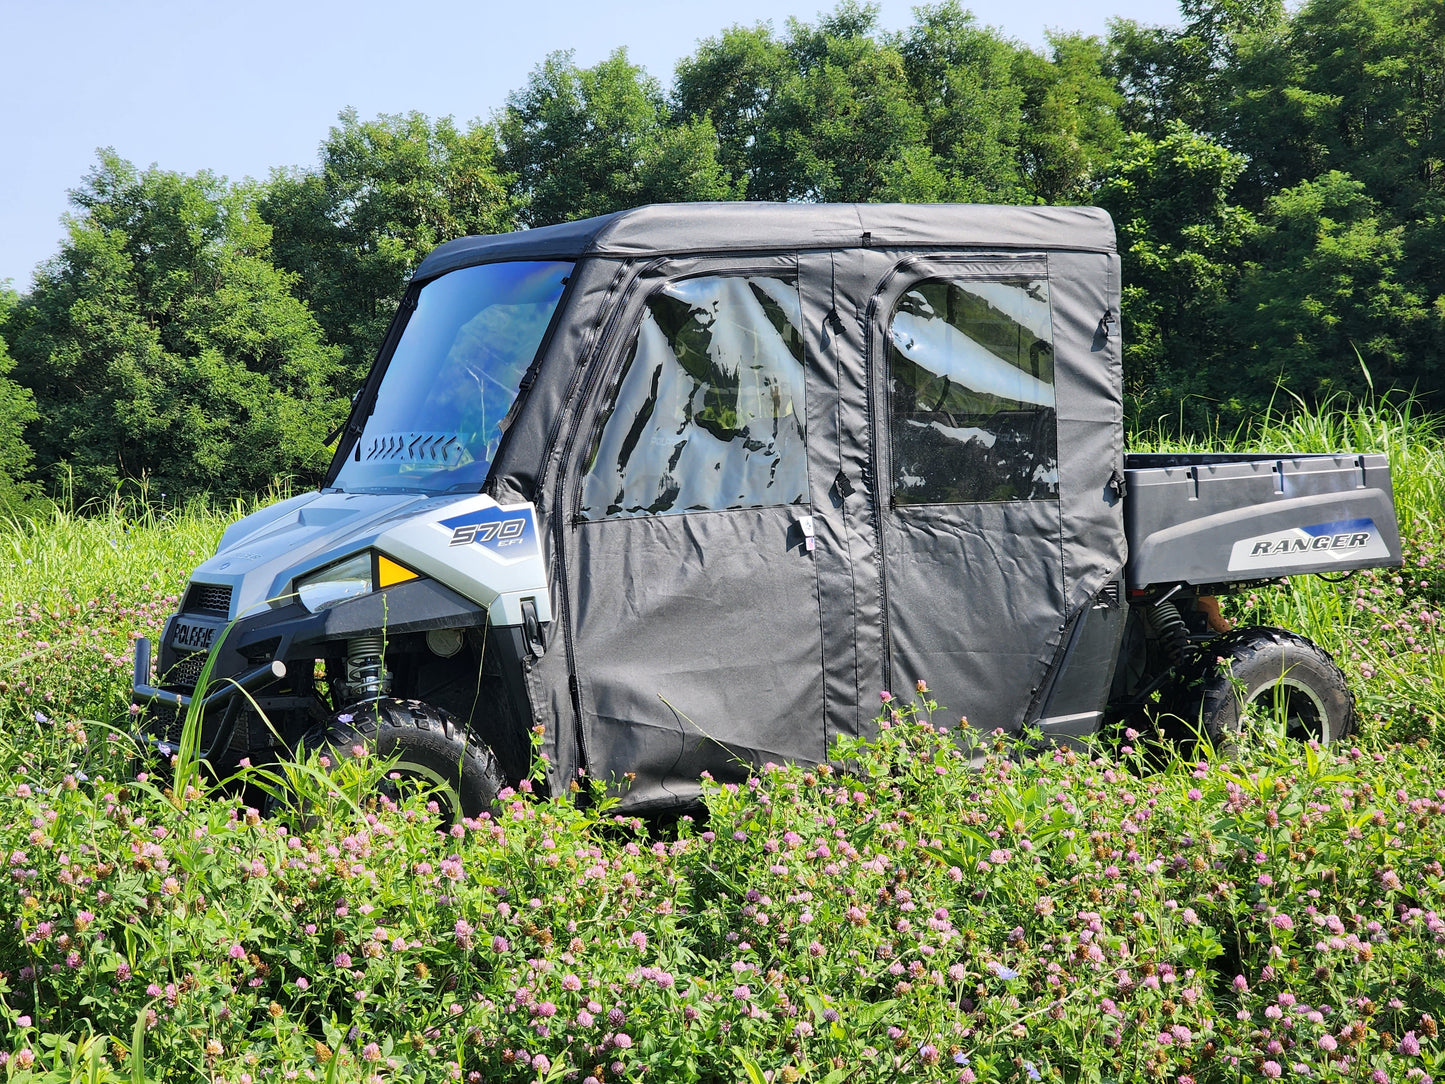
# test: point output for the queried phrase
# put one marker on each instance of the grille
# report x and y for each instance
(208, 598)
(164, 722)
(186, 671)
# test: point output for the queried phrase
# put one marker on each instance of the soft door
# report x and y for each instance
(962, 364)
(695, 616)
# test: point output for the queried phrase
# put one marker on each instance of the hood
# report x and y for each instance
(259, 556)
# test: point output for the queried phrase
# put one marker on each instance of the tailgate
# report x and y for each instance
(1215, 518)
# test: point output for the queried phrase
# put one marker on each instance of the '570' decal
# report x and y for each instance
(508, 534)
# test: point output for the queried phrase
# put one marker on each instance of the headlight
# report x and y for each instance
(344, 580)
(355, 576)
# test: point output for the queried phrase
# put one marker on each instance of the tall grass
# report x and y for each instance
(77, 588)
(1413, 439)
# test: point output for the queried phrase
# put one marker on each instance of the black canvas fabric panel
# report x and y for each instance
(1089, 382)
(975, 601)
(973, 589)
(852, 276)
(698, 646)
(728, 228)
(696, 636)
(839, 558)
(564, 241)
(647, 571)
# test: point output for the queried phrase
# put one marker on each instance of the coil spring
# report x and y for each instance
(1169, 627)
(366, 676)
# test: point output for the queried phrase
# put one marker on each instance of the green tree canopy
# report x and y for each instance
(385, 193)
(162, 343)
(1180, 242)
(1322, 292)
(589, 141)
(17, 410)
(946, 110)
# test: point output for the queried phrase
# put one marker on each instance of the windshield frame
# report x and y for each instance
(364, 402)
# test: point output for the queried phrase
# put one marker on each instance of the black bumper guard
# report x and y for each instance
(253, 680)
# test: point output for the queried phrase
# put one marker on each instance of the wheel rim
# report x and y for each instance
(1301, 708)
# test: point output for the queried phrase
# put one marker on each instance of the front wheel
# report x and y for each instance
(1275, 678)
(432, 747)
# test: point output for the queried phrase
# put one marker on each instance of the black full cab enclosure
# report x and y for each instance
(786, 457)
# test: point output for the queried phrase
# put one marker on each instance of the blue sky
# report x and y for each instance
(242, 88)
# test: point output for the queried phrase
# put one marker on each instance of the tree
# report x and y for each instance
(1180, 241)
(1354, 86)
(833, 111)
(963, 77)
(842, 124)
(1069, 128)
(384, 194)
(17, 410)
(1322, 292)
(731, 81)
(1184, 74)
(161, 342)
(589, 141)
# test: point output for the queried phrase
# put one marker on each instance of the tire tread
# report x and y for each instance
(369, 721)
(1242, 646)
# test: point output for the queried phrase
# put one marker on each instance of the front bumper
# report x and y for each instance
(248, 655)
(146, 695)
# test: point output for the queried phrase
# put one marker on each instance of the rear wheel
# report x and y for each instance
(1273, 678)
(433, 748)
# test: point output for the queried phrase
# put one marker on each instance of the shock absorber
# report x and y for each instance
(1170, 629)
(367, 677)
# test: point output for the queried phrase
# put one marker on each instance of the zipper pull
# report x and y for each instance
(805, 524)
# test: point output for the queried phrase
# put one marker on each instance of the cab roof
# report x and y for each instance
(677, 229)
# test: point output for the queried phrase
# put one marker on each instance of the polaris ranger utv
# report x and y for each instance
(686, 486)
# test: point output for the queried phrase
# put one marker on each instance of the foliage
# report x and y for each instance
(1071, 130)
(1183, 75)
(1180, 240)
(17, 410)
(1322, 282)
(946, 110)
(1277, 174)
(385, 193)
(1335, 110)
(588, 141)
(911, 917)
(1079, 923)
(162, 343)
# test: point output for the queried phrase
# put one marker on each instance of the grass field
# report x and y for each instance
(1059, 917)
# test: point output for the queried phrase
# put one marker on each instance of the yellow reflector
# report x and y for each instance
(389, 573)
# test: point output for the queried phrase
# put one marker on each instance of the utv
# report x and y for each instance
(685, 487)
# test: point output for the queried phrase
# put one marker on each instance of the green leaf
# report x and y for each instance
(137, 1047)
(750, 1066)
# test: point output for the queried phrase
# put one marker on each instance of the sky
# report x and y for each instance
(244, 87)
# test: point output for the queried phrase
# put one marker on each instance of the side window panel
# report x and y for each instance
(707, 412)
(971, 392)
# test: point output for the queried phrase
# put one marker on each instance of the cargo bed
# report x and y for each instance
(1219, 519)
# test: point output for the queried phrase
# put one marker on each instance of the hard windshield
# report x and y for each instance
(438, 414)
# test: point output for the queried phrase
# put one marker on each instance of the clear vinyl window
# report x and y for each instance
(707, 413)
(971, 383)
